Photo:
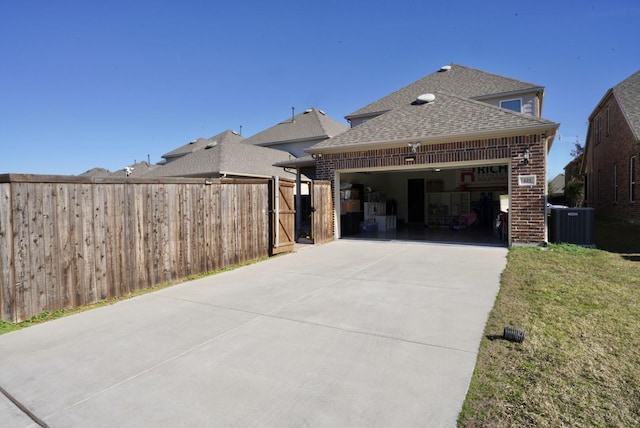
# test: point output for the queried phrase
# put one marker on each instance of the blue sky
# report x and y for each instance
(88, 84)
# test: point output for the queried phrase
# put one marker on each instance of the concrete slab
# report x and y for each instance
(11, 415)
(351, 333)
(59, 363)
(288, 374)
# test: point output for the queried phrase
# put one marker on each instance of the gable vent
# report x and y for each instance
(425, 99)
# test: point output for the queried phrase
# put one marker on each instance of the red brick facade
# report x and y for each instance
(612, 144)
(527, 215)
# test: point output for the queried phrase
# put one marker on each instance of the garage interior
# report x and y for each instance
(431, 204)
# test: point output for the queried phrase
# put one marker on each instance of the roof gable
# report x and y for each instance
(627, 93)
(312, 124)
(138, 169)
(201, 143)
(459, 80)
(226, 157)
(449, 116)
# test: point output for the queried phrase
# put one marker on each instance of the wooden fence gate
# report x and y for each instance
(283, 216)
(322, 212)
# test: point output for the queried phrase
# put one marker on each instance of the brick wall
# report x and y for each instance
(616, 146)
(527, 216)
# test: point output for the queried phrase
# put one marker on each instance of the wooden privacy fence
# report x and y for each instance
(72, 241)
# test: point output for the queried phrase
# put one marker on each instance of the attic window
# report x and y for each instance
(514, 105)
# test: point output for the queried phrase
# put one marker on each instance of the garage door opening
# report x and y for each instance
(434, 204)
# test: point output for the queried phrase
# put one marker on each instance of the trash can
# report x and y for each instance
(572, 226)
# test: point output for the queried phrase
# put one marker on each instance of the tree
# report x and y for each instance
(574, 186)
(578, 149)
(574, 191)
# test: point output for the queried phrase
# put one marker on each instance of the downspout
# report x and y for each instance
(546, 183)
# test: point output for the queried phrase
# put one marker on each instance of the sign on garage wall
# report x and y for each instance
(484, 176)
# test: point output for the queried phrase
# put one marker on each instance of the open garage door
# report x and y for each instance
(458, 204)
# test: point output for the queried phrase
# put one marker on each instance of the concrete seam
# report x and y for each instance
(24, 409)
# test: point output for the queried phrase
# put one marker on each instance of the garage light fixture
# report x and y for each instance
(410, 158)
(525, 156)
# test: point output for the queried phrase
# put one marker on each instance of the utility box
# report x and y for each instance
(572, 226)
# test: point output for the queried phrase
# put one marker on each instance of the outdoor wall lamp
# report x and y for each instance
(525, 156)
(414, 146)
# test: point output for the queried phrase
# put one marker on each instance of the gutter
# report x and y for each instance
(550, 129)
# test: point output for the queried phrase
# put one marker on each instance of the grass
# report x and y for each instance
(6, 327)
(579, 364)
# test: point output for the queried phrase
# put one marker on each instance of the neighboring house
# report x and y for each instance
(138, 169)
(556, 189)
(296, 134)
(199, 144)
(299, 132)
(611, 166)
(448, 144)
(227, 157)
(96, 172)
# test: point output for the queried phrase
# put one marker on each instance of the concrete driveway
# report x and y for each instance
(346, 334)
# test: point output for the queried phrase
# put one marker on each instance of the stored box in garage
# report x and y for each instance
(572, 226)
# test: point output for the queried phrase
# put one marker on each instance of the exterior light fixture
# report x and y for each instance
(525, 156)
(410, 158)
(414, 146)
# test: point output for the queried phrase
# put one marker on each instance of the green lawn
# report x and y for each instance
(579, 364)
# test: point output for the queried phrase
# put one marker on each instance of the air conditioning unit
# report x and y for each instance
(572, 226)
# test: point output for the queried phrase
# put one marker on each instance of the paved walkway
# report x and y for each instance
(346, 334)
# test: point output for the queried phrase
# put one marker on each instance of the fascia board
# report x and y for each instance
(551, 129)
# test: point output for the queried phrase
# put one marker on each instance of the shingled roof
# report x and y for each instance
(200, 144)
(627, 93)
(138, 169)
(447, 117)
(227, 157)
(312, 124)
(453, 79)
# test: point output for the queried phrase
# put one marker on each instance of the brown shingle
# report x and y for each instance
(448, 116)
(308, 125)
(459, 80)
(627, 93)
